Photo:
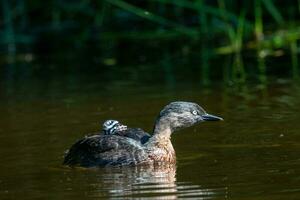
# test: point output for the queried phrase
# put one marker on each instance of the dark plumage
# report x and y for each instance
(114, 127)
(119, 145)
(136, 134)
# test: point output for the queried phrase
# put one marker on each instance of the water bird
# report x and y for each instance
(119, 145)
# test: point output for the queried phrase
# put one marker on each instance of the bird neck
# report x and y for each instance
(161, 134)
(162, 129)
(159, 145)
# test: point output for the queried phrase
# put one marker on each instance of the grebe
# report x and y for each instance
(125, 146)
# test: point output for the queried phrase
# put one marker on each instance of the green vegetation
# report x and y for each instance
(147, 30)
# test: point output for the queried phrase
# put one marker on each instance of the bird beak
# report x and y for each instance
(209, 117)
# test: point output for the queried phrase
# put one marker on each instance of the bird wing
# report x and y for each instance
(136, 134)
(100, 150)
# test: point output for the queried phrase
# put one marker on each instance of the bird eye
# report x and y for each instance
(195, 112)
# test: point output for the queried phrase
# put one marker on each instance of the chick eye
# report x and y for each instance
(195, 112)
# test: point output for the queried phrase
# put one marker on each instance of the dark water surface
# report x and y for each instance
(253, 154)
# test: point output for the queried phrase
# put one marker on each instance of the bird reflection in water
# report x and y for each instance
(157, 182)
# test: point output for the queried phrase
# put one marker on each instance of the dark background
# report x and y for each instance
(229, 41)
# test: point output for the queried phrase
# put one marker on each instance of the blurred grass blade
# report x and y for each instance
(152, 17)
(240, 31)
(273, 11)
(258, 20)
(229, 29)
(207, 9)
(9, 32)
(294, 58)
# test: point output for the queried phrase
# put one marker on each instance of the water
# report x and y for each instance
(253, 154)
